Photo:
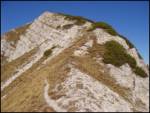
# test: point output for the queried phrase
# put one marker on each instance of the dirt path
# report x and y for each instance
(51, 102)
(24, 86)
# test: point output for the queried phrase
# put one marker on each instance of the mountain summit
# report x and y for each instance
(64, 63)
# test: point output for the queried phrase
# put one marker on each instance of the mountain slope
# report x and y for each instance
(58, 63)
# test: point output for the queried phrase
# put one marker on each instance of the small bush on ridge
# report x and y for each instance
(109, 29)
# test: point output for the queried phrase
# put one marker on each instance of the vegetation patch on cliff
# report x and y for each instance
(79, 20)
(48, 52)
(139, 71)
(116, 55)
(68, 26)
(109, 29)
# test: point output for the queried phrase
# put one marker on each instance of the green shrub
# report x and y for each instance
(104, 26)
(68, 26)
(130, 60)
(79, 18)
(139, 71)
(54, 46)
(116, 54)
(48, 52)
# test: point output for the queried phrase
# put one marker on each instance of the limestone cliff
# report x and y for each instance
(63, 63)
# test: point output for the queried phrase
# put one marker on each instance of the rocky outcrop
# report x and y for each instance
(70, 78)
(82, 93)
(42, 33)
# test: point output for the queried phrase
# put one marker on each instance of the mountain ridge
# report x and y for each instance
(73, 50)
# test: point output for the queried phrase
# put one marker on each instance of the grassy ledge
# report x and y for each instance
(109, 29)
(79, 20)
(15, 35)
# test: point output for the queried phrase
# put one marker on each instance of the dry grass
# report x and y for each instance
(3, 60)
(8, 69)
(89, 66)
(23, 89)
(72, 107)
(96, 49)
(26, 92)
(15, 35)
(46, 109)
(56, 77)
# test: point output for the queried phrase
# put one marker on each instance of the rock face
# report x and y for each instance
(70, 78)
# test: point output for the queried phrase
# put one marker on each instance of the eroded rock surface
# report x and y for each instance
(59, 82)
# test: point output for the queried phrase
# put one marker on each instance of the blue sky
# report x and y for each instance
(130, 19)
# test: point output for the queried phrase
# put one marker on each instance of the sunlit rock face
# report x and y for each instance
(44, 32)
(69, 78)
(84, 94)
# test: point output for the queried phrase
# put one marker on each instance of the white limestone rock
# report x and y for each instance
(89, 94)
(103, 37)
(123, 75)
(85, 92)
(139, 87)
(141, 93)
(43, 29)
